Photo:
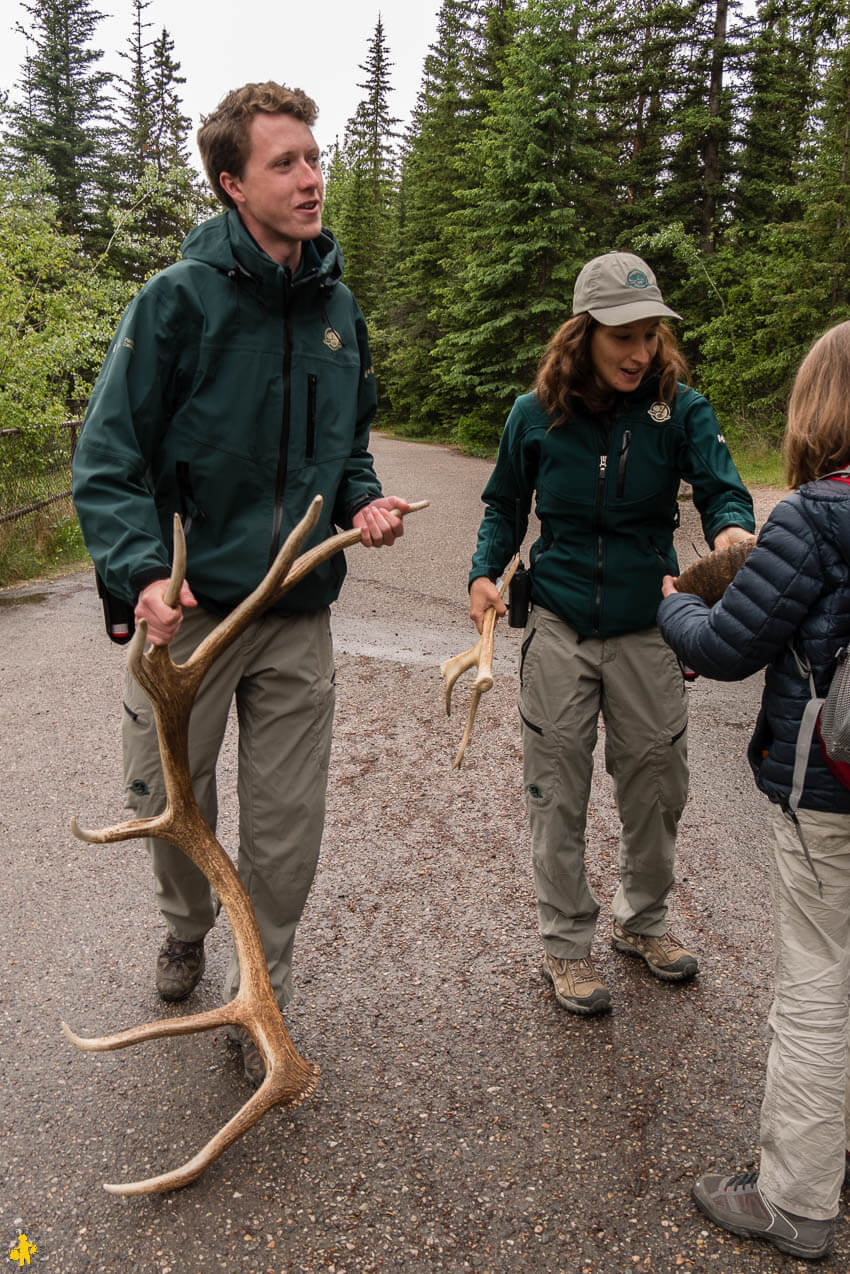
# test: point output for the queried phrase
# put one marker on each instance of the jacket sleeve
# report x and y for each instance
(128, 411)
(706, 463)
(761, 609)
(508, 496)
(359, 485)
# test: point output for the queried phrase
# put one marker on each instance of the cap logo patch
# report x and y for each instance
(636, 279)
(659, 412)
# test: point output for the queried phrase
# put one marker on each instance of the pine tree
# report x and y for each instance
(518, 239)
(61, 117)
(787, 38)
(361, 182)
(158, 197)
(461, 72)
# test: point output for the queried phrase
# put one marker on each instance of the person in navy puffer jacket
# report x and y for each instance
(793, 593)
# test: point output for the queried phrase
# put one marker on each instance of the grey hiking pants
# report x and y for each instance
(637, 685)
(281, 674)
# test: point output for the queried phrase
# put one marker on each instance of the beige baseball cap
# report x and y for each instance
(619, 288)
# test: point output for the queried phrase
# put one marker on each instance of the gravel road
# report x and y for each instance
(462, 1121)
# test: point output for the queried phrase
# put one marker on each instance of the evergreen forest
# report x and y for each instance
(712, 137)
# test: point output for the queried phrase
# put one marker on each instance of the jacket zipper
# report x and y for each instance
(280, 480)
(312, 384)
(621, 464)
(600, 492)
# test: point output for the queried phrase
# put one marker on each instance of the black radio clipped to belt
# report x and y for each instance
(118, 615)
(519, 589)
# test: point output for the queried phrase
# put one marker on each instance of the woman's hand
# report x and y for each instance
(668, 585)
(482, 595)
(730, 535)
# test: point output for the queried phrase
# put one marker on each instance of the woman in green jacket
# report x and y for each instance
(603, 442)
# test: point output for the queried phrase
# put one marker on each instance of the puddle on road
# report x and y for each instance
(24, 599)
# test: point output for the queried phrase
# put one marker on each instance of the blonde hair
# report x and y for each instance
(566, 369)
(224, 138)
(817, 435)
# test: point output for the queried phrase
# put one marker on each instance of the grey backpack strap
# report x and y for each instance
(801, 755)
(801, 752)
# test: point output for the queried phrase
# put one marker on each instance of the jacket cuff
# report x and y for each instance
(140, 579)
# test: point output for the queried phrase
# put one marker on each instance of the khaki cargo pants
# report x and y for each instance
(281, 674)
(805, 1115)
(637, 685)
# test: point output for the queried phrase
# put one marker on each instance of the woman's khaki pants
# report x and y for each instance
(805, 1116)
(635, 682)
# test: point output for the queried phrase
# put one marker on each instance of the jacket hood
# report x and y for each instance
(224, 243)
(827, 503)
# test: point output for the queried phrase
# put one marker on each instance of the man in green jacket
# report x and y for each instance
(238, 386)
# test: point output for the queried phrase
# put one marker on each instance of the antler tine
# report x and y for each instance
(308, 561)
(266, 1096)
(159, 1029)
(267, 591)
(481, 656)
(178, 566)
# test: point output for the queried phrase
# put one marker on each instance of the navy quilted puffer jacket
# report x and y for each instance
(795, 584)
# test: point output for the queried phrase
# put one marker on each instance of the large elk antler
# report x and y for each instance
(171, 689)
(479, 656)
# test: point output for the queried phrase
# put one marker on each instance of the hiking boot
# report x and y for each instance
(665, 956)
(252, 1062)
(577, 987)
(738, 1205)
(179, 966)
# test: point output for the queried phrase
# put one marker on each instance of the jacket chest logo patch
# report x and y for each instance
(659, 412)
(331, 339)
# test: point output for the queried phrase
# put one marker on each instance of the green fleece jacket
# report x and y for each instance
(607, 503)
(232, 394)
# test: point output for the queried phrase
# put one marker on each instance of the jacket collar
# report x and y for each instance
(224, 242)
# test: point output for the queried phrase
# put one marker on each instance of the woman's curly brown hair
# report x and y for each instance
(566, 370)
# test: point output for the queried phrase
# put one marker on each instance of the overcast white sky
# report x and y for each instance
(221, 44)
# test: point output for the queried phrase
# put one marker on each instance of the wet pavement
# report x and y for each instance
(462, 1121)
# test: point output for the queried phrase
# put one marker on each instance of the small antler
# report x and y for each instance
(171, 688)
(480, 656)
(710, 576)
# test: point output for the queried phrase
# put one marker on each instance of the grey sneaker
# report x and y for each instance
(577, 986)
(665, 956)
(252, 1062)
(179, 966)
(738, 1205)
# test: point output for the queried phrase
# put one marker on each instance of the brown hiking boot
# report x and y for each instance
(179, 966)
(252, 1063)
(665, 955)
(577, 986)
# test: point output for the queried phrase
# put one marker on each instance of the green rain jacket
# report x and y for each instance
(232, 394)
(607, 503)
